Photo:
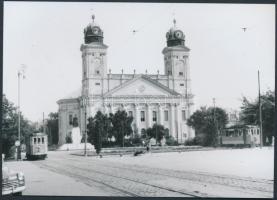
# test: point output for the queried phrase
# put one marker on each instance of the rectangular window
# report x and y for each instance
(166, 115)
(38, 140)
(181, 73)
(183, 115)
(130, 113)
(169, 73)
(97, 72)
(35, 140)
(70, 120)
(97, 83)
(142, 116)
(182, 84)
(42, 140)
(154, 116)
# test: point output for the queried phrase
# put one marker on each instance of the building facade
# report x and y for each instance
(150, 98)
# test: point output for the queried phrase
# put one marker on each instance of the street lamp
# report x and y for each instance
(215, 123)
(84, 105)
(20, 73)
(156, 134)
(260, 113)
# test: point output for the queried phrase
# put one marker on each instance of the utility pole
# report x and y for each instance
(156, 134)
(260, 113)
(85, 132)
(19, 73)
(215, 123)
(43, 128)
(18, 150)
(84, 105)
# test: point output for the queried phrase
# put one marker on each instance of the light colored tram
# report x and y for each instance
(240, 135)
(36, 146)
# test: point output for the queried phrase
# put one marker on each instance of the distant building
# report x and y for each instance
(164, 98)
(233, 117)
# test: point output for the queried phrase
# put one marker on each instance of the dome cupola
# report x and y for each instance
(93, 33)
(175, 37)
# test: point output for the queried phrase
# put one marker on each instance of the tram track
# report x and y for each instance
(236, 182)
(142, 186)
(146, 180)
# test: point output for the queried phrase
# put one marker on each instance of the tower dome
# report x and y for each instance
(93, 33)
(175, 37)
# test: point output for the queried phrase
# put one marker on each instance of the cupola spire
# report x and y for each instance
(175, 37)
(93, 32)
(93, 17)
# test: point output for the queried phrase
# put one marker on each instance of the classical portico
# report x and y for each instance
(164, 99)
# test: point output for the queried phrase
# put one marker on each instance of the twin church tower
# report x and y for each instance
(150, 98)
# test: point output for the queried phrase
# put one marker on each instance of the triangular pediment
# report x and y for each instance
(141, 86)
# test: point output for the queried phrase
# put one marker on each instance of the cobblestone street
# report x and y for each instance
(102, 176)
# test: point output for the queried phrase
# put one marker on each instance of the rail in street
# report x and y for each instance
(137, 180)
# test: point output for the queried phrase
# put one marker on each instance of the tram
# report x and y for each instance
(240, 135)
(36, 146)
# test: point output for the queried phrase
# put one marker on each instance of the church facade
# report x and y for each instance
(164, 98)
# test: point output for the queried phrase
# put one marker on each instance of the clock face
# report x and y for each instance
(95, 30)
(178, 34)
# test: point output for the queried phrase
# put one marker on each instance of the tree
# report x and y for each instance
(207, 122)
(52, 125)
(157, 131)
(121, 123)
(10, 126)
(99, 129)
(250, 113)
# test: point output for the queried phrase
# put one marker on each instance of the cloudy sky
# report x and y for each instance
(224, 60)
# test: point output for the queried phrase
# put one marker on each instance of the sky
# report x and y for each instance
(46, 37)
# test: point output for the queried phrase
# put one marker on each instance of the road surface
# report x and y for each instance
(65, 174)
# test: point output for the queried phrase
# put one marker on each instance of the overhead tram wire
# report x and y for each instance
(133, 32)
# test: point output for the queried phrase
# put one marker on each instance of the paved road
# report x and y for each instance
(117, 179)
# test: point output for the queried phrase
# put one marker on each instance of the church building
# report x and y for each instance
(162, 98)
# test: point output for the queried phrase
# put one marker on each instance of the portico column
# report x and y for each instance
(137, 118)
(160, 114)
(179, 122)
(148, 116)
(172, 121)
(110, 108)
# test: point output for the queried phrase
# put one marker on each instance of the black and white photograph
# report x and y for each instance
(106, 99)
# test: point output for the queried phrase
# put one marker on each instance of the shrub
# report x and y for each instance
(170, 141)
(136, 140)
(198, 140)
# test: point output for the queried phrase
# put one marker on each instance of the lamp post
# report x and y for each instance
(84, 105)
(260, 113)
(156, 134)
(20, 73)
(215, 123)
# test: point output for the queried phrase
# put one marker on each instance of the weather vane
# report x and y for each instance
(174, 22)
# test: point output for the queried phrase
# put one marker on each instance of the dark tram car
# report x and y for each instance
(36, 146)
(240, 135)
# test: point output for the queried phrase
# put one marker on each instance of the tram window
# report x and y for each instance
(42, 140)
(38, 140)
(258, 132)
(35, 140)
